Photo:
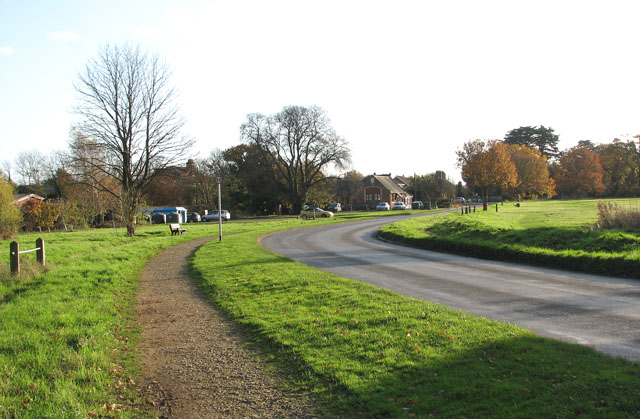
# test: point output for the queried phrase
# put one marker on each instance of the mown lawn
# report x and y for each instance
(68, 344)
(364, 351)
(67, 341)
(549, 233)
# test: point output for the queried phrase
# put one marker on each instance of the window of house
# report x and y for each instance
(378, 197)
(368, 197)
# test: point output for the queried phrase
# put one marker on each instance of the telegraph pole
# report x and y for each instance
(219, 182)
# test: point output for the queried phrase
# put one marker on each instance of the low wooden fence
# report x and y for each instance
(15, 252)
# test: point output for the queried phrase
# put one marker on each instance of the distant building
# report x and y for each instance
(21, 200)
(380, 188)
(403, 181)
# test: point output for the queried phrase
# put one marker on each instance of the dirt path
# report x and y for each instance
(195, 362)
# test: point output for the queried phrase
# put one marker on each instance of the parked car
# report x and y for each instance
(334, 207)
(319, 213)
(458, 200)
(399, 206)
(193, 217)
(383, 206)
(417, 205)
(214, 215)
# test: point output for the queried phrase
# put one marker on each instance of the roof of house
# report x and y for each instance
(387, 182)
(26, 196)
(402, 179)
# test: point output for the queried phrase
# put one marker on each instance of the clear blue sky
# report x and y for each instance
(405, 82)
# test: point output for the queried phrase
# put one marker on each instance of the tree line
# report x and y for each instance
(128, 152)
(528, 164)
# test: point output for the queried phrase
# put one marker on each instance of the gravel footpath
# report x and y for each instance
(195, 362)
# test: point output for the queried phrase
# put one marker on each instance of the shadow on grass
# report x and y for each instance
(28, 280)
(518, 377)
(298, 377)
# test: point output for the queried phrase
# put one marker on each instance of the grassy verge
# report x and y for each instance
(66, 334)
(366, 351)
(67, 340)
(553, 233)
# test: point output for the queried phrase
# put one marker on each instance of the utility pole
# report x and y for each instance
(219, 181)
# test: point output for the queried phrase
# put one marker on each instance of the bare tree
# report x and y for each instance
(30, 166)
(299, 142)
(127, 107)
(6, 169)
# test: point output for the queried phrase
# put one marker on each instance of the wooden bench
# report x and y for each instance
(175, 229)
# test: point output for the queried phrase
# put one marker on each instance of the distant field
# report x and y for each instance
(549, 233)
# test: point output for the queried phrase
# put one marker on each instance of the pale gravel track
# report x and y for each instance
(196, 363)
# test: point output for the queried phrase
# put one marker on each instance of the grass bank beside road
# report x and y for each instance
(369, 352)
(547, 233)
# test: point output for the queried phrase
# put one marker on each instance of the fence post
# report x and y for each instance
(496, 207)
(14, 251)
(40, 253)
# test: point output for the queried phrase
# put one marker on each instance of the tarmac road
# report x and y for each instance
(598, 311)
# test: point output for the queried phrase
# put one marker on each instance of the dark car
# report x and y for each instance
(193, 217)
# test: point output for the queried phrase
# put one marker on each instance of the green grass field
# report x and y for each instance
(66, 337)
(366, 351)
(549, 233)
(68, 345)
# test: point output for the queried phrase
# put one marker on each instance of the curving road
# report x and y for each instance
(598, 311)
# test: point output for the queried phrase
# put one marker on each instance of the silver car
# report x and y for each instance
(214, 215)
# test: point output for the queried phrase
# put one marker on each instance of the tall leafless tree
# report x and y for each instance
(6, 169)
(128, 109)
(31, 167)
(299, 142)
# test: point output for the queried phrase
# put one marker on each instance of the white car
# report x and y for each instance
(214, 215)
(383, 206)
(399, 206)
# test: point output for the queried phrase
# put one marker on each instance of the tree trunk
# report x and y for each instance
(129, 209)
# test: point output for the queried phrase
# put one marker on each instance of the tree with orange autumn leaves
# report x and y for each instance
(533, 172)
(487, 165)
(579, 173)
(517, 169)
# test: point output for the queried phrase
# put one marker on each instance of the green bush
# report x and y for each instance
(10, 215)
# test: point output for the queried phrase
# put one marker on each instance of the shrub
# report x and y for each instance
(10, 215)
(613, 216)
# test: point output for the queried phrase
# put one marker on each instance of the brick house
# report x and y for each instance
(21, 200)
(380, 188)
